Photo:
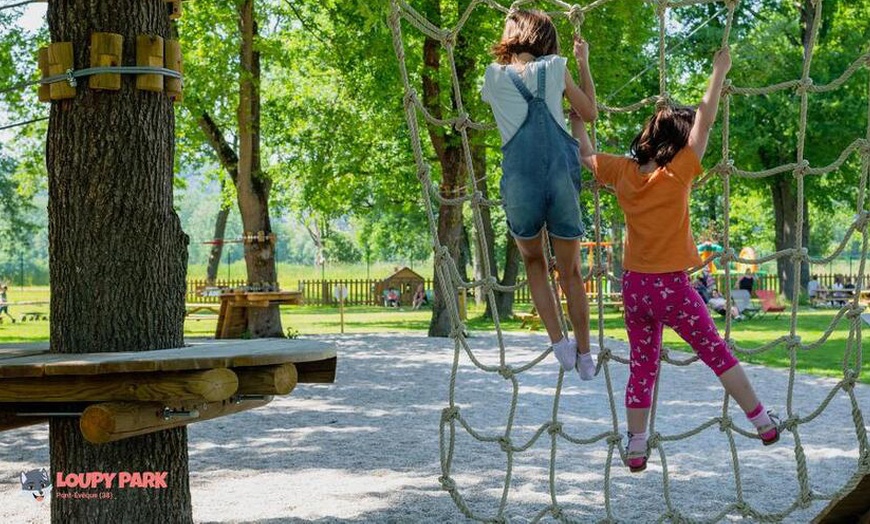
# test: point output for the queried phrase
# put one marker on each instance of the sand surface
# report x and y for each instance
(366, 449)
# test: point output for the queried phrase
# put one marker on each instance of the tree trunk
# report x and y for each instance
(214, 256)
(504, 300)
(785, 213)
(252, 187)
(117, 254)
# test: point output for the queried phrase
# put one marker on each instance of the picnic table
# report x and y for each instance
(830, 297)
(233, 315)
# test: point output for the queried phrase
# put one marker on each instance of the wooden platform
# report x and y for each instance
(34, 360)
(233, 317)
(854, 508)
(124, 394)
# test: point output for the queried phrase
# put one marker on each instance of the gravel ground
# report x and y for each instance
(366, 449)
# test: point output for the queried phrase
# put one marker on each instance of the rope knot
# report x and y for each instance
(450, 413)
(791, 423)
(506, 372)
(804, 85)
(861, 220)
(554, 428)
(661, 7)
(743, 508)
(803, 168)
(423, 173)
(599, 270)
(409, 99)
(724, 168)
(854, 312)
(864, 144)
(663, 101)
(725, 422)
(447, 484)
(727, 255)
(848, 382)
(576, 16)
(458, 330)
(505, 444)
(448, 38)
(793, 342)
(614, 439)
(805, 499)
(488, 284)
(556, 511)
(654, 440)
(728, 86)
(477, 198)
(463, 121)
(800, 254)
(603, 356)
(442, 254)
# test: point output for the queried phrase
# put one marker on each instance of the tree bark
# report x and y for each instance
(214, 256)
(117, 254)
(229, 160)
(785, 214)
(252, 187)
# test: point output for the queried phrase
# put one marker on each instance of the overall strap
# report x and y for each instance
(518, 82)
(542, 81)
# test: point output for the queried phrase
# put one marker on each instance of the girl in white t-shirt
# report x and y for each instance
(540, 182)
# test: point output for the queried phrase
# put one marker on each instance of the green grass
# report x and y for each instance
(826, 360)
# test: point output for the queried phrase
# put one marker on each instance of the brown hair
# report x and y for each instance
(526, 31)
(664, 135)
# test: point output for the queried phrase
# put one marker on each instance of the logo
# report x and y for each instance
(36, 483)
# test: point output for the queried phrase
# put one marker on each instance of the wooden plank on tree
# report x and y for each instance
(101, 423)
(317, 371)
(267, 380)
(210, 354)
(210, 385)
(854, 507)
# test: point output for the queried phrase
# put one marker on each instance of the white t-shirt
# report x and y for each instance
(509, 106)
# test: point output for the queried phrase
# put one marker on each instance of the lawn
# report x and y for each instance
(827, 360)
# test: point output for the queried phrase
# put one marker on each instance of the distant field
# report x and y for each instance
(308, 320)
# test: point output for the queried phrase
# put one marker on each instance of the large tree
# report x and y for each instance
(117, 253)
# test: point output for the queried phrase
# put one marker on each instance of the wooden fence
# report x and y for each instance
(360, 291)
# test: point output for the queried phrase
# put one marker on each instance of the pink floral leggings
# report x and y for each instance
(654, 300)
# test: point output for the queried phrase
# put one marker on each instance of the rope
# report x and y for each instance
(19, 4)
(25, 123)
(71, 76)
(450, 280)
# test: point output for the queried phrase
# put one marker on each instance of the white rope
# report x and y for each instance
(450, 280)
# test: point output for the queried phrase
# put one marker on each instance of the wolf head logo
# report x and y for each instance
(36, 483)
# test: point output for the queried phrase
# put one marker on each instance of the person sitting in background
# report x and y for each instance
(849, 287)
(718, 304)
(419, 297)
(837, 288)
(747, 281)
(702, 285)
(391, 298)
(813, 287)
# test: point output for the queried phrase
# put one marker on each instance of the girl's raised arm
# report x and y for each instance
(582, 99)
(709, 105)
(587, 150)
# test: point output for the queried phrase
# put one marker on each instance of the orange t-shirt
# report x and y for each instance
(656, 207)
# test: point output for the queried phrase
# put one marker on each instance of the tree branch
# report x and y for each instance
(226, 154)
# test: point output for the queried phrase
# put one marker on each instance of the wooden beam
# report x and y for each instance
(317, 372)
(854, 507)
(209, 385)
(267, 380)
(109, 422)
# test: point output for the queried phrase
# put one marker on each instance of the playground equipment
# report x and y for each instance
(453, 421)
(120, 395)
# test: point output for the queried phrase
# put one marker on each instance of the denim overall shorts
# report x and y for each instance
(540, 183)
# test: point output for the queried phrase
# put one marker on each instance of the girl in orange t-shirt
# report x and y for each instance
(652, 187)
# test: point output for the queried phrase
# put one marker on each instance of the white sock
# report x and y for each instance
(586, 366)
(637, 441)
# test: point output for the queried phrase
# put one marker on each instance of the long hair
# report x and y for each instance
(664, 135)
(526, 31)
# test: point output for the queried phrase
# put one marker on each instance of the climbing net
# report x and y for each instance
(450, 279)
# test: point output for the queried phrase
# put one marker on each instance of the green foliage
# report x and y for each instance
(338, 247)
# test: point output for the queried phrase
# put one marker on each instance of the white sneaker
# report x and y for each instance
(586, 366)
(566, 353)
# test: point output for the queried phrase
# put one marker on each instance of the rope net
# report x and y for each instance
(452, 418)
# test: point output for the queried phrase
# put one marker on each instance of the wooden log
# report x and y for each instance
(853, 507)
(267, 380)
(174, 8)
(60, 60)
(149, 52)
(172, 55)
(101, 423)
(317, 371)
(209, 385)
(106, 49)
(44, 91)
